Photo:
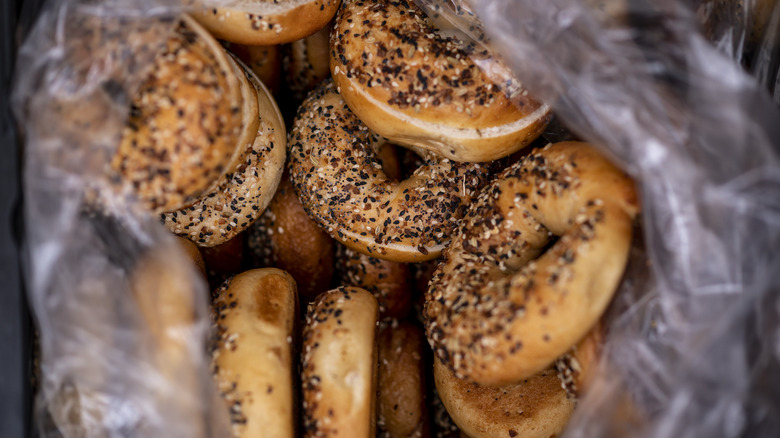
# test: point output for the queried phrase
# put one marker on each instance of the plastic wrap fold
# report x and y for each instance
(694, 334)
(121, 312)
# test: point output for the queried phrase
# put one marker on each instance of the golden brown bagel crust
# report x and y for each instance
(443, 426)
(536, 407)
(193, 254)
(265, 22)
(576, 367)
(255, 314)
(184, 122)
(168, 292)
(539, 406)
(342, 187)
(223, 213)
(224, 260)
(402, 408)
(339, 364)
(389, 282)
(307, 63)
(264, 61)
(413, 86)
(285, 237)
(495, 313)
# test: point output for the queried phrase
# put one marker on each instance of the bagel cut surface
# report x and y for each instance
(337, 177)
(419, 88)
(499, 308)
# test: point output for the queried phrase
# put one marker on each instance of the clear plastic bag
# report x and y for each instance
(693, 339)
(121, 313)
(694, 334)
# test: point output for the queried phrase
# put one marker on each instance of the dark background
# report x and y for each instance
(15, 388)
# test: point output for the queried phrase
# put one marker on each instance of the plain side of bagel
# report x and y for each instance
(255, 314)
(285, 237)
(402, 404)
(265, 22)
(500, 307)
(306, 63)
(167, 290)
(339, 364)
(416, 87)
(193, 253)
(389, 282)
(537, 407)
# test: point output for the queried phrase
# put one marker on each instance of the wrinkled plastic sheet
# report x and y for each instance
(693, 346)
(121, 313)
(694, 333)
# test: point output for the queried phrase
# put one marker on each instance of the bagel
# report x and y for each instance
(402, 407)
(421, 276)
(341, 186)
(224, 260)
(389, 282)
(499, 309)
(339, 364)
(443, 426)
(255, 314)
(537, 407)
(306, 63)
(182, 132)
(416, 87)
(264, 22)
(285, 237)
(193, 253)
(388, 157)
(245, 192)
(169, 294)
(264, 61)
(95, 77)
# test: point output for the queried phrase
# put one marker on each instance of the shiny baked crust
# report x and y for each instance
(343, 188)
(414, 86)
(499, 309)
(253, 360)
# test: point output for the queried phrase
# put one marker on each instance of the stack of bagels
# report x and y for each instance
(352, 292)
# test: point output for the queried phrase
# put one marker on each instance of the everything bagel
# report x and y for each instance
(265, 22)
(255, 314)
(182, 132)
(340, 364)
(499, 309)
(416, 87)
(246, 191)
(341, 185)
(306, 63)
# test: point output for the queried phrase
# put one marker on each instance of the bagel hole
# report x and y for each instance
(398, 163)
(552, 239)
(516, 264)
